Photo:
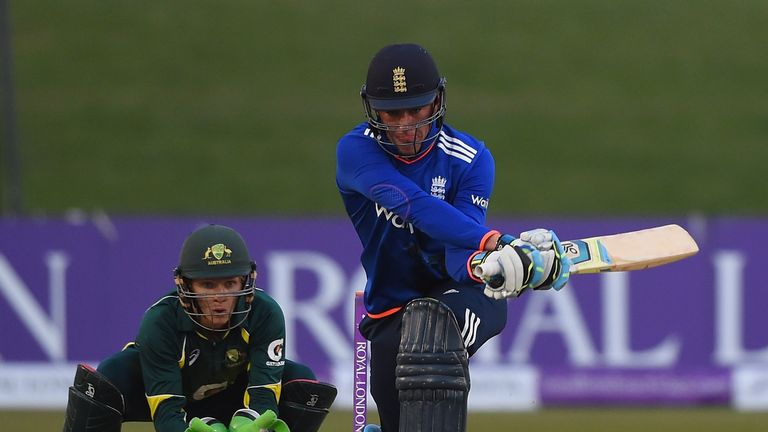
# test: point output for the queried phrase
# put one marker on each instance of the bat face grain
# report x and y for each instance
(634, 250)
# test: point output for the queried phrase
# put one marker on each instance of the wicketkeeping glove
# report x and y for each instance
(248, 420)
(555, 263)
(206, 424)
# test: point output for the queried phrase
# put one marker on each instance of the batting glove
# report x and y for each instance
(554, 261)
(248, 420)
(540, 238)
(206, 424)
(510, 269)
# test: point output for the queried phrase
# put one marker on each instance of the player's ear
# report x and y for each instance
(253, 274)
(178, 280)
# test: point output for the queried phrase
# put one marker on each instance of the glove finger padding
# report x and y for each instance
(265, 420)
(247, 420)
(207, 424)
(534, 275)
(556, 266)
(280, 426)
(540, 238)
(197, 425)
(514, 268)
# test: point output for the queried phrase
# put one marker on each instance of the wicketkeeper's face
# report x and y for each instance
(216, 299)
(408, 128)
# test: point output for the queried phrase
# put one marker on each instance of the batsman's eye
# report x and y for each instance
(396, 114)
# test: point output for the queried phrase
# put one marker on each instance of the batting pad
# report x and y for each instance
(432, 374)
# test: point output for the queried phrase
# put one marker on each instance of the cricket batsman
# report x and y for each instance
(417, 192)
(209, 356)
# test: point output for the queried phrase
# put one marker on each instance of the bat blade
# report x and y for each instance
(634, 250)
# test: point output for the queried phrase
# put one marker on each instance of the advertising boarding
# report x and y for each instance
(688, 333)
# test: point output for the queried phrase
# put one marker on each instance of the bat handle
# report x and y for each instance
(487, 270)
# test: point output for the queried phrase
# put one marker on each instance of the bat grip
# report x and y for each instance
(487, 270)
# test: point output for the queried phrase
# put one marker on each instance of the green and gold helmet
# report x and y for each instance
(213, 252)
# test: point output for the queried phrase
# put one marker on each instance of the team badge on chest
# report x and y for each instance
(438, 187)
(234, 358)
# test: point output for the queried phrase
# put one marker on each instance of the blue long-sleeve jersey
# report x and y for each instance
(421, 220)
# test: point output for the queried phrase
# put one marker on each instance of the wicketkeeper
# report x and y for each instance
(417, 192)
(209, 356)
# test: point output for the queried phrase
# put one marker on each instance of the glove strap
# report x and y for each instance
(505, 239)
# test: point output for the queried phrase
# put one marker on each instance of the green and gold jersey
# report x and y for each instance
(181, 362)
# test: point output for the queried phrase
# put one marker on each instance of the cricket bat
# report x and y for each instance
(635, 250)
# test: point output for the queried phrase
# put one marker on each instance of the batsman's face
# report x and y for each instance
(408, 128)
(217, 300)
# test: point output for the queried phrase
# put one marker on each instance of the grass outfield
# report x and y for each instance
(196, 107)
(550, 420)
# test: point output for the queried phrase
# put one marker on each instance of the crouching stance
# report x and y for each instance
(208, 357)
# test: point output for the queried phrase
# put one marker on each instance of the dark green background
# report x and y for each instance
(591, 107)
